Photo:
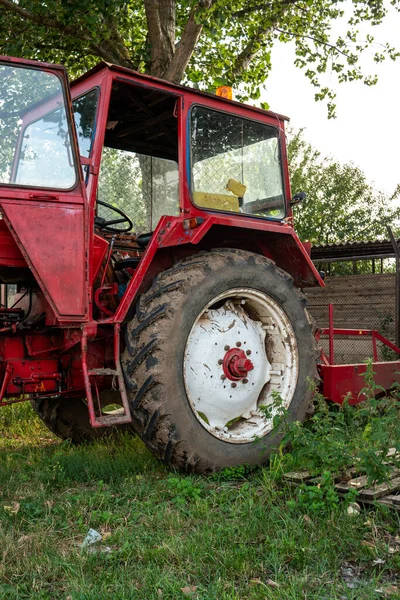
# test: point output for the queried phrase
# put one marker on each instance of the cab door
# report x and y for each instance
(42, 196)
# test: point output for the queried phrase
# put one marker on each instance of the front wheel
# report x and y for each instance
(213, 339)
(68, 418)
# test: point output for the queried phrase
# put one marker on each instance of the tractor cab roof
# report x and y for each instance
(172, 88)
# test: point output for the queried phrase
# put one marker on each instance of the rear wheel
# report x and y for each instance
(68, 418)
(212, 339)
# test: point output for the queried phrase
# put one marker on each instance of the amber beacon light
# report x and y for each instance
(225, 91)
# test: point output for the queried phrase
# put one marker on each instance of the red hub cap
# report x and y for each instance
(236, 365)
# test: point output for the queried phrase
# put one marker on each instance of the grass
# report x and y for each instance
(168, 536)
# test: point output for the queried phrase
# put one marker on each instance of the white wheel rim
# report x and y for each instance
(224, 393)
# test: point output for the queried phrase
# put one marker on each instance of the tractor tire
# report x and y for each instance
(68, 419)
(211, 339)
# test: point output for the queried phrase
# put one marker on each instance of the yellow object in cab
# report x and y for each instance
(237, 188)
(217, 201)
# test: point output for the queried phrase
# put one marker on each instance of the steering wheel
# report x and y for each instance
(105, 225)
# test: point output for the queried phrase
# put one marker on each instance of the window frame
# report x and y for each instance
(76, 162)
(190, 164)
(85, 93)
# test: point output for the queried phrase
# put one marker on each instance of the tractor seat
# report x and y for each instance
(143, 239)
(127, 263)
(132, 262)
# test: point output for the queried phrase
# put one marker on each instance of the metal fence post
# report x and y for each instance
(397, 253)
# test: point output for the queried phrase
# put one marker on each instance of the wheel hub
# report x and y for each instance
(236, 365)
(227, 388)
(241, 349)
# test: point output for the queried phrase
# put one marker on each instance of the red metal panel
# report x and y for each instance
(100, 246)
(10, 254)
(33, 376)
(52, 239)
(340, 380)
(102, 80)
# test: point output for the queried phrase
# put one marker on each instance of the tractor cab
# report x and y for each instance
(150, 150)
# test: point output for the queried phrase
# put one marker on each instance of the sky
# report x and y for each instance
(367, 128)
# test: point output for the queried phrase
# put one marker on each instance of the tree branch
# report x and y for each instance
(186, 45)
(109, 54)
(245, 57)
(118, 42)
(250, 9)
(160, 16)
(312, 38)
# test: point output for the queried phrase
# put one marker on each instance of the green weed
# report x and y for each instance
(337, 437)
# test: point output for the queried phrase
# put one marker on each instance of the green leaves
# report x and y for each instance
(230, 42)
(341, 205)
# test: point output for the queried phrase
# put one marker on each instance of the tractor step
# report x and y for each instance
(119, 416)
(103, 372)
(114, 419)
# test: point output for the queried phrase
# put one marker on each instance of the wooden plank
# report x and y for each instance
(381, 490)
(359, 483)
(297, 477)
(338, 479)
(384, 501)
(392, 452)
(395, 500)
(353, 484)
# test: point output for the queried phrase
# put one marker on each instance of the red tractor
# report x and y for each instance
(149, 267)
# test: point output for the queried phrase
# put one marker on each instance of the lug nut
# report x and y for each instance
(233, 384)
(223, 377)
(248, 352)
(220, 362)
(227, 348)
(245, 380)
(238, 344)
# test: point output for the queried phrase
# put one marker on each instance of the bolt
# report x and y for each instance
(245, 380)
(233, 384)
(223, 377)
(238, 344)
(220, 362)
(248, 352)
(227, 348)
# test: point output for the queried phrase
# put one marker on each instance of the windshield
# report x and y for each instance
(34, 130)
(236, 164)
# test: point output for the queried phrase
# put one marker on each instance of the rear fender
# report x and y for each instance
(171, 241)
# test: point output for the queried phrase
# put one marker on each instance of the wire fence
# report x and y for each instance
(143, 187)
(361, 301)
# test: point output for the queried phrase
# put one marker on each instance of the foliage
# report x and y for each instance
(341, 206)
(206, 42)
(183, 490)
(239, 539)
(337, 437)
(318, 498)
(386, 328)
(120, 184)
(144, 187)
